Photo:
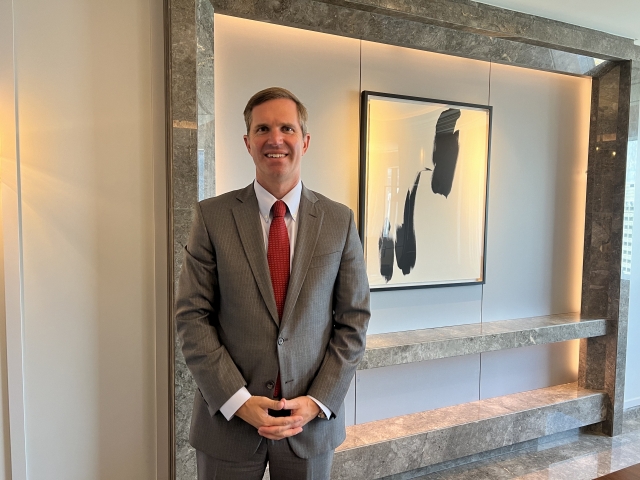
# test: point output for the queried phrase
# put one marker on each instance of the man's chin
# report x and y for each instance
(279, 173)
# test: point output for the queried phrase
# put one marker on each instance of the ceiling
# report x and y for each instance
(619, 17)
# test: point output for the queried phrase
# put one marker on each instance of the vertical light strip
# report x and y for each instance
(486, 226)
(355, 376)
(158, 53)
(15, 299)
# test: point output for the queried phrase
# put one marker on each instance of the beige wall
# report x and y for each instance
(89, 98)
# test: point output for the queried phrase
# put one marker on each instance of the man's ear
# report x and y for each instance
(246, 143)
(305, 142)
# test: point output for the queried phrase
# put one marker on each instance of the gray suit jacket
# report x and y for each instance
(231, 334)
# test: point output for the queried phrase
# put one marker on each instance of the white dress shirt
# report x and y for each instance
(265, 202)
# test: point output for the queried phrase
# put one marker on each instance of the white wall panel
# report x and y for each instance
(321, 70)
(404, 71)
(413, 309)
(414, 387)
(537, 193)
(521, 369)
(350, 404)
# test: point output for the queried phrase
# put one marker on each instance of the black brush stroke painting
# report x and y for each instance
(445, 157)
(445, 152)
(385, 247)
(406, 233)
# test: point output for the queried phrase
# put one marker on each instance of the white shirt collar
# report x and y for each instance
(266, 200)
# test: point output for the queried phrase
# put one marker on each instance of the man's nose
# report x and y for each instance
(275, 137)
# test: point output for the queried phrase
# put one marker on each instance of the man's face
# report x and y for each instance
(275, 142)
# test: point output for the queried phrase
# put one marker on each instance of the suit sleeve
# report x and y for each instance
(350, 320)
(212, 367)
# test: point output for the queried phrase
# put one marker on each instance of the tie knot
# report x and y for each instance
(279, 209)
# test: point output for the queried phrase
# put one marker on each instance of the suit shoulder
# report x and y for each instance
(224, 201)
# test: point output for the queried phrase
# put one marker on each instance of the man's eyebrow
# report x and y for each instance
(255, 127)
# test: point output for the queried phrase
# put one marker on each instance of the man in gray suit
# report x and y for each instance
(272, 311)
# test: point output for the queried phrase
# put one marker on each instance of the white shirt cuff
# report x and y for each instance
(326, 411)
(232, 405)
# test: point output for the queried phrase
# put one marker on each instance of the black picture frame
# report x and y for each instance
(366, 96)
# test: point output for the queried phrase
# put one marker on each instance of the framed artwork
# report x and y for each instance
(424, 168)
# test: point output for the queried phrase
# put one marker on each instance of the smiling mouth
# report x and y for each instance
(276, 155)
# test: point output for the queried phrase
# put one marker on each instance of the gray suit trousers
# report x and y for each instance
(283, 465)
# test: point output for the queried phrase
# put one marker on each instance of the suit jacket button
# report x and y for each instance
(270, 385)
(280, 341)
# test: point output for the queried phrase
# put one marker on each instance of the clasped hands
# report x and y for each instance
(254, 411)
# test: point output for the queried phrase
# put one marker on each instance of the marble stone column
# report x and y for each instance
(191, 177)
(602, 360)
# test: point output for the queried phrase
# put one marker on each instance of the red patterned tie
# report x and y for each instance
(279, 261)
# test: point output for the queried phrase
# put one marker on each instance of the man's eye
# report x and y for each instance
(287, 129)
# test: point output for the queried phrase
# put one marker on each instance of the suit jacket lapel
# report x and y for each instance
(247, 217)
(310, 217)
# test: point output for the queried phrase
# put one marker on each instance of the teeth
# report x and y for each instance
(276, 155)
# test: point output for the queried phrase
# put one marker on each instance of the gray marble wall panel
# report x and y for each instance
(529, 445)
(183, 61)
(429, 344)
(376, 449)
(632, 414)
(183, 172)
(498, 22)
(602, 359)
(634, 107)
(380, 27)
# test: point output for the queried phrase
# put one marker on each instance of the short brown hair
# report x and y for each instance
(273, 93)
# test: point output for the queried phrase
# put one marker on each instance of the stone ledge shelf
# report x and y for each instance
(429, 344)
(395, 445)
